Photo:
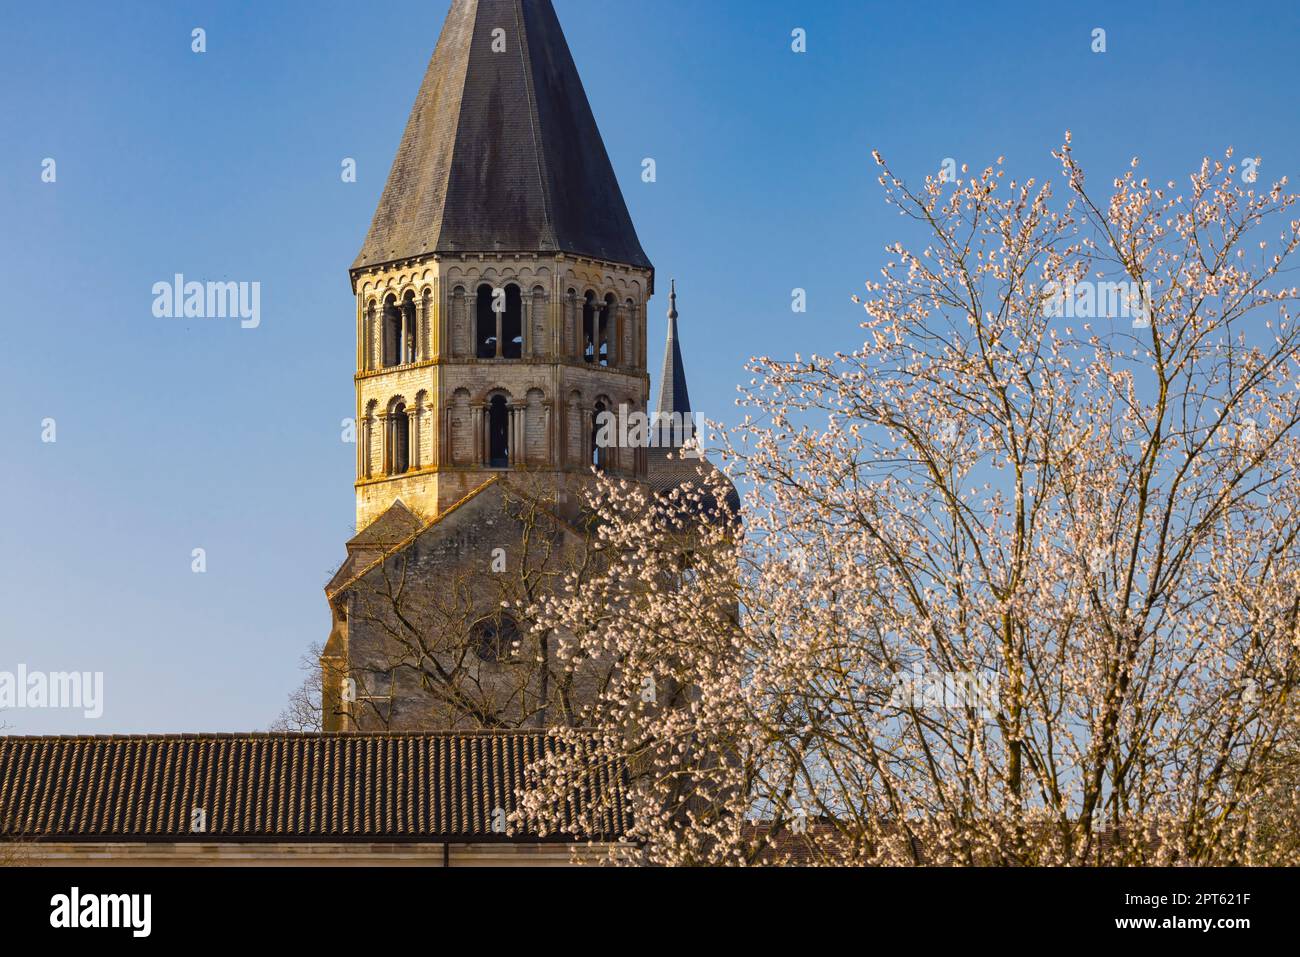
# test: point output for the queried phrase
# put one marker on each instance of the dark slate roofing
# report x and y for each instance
(673, 394)
(501, 151)
(668, 469)
(438, 786)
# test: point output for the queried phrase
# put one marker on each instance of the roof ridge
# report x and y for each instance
(279, 735)
(539, 152)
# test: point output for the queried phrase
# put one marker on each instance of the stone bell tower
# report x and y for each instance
(501, 291)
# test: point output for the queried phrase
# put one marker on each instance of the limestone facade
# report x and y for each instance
(462, 358)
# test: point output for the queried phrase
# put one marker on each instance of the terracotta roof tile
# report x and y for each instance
(437, 786)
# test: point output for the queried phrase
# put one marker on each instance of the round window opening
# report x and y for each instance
(494, 638)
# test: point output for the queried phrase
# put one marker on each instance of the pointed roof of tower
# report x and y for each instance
(673, 394)
(501, 152)
(669, 463)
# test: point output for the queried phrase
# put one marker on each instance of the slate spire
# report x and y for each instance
(673, 394)
(501, 152)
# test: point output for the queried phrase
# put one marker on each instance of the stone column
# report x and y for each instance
(456, 324)
(501, 315)
(521, 433)
(446, 448)
(441, 447)
(549, 440)
(616, 334)
(476, 423)
(525, 322)
(385, 443)
(421, 328)
(413, 440)
(566, 330)
(638, 335)
(512, 429)
(363, 448)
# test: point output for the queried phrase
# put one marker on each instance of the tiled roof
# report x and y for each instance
(501, 151)
(440, 786)
(668, 469)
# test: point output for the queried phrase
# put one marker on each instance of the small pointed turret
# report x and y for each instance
(673, 394)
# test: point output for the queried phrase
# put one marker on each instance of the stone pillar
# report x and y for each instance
(629, 334)
(514, 418)
(539, 328)
(441, 450)
(525, 326)
(363, 448)
(576, 344)
(447, 447)
(512, 430)
(567, 323)
(413, 440)
(421, 328)
(457, 323)
(501, 315)
(616, 334)
(385, 444)
(548, 439)
(521, 433)
(476, 422)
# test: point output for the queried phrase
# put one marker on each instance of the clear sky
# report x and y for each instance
(174, 435)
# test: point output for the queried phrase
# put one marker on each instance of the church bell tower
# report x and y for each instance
(501, 291)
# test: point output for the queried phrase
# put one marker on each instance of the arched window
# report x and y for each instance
(485, 325)
(392, 334)
(494, 638)
(399, 440)
(498, 433)
(598, 454)
(499, 334)
(512, 332)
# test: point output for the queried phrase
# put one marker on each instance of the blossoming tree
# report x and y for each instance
(1015, 584)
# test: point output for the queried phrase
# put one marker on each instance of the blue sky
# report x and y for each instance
(174, 435)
